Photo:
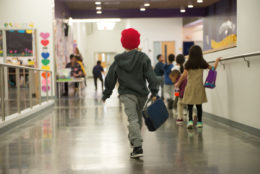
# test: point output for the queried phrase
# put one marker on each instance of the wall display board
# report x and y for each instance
(19, 43)
(220, 27)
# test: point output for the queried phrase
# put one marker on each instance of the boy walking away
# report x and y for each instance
(159, 72)
(132, 69)
(97, 73)
(168, 87)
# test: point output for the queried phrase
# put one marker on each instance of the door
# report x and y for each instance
(168, 47)
(186, 47)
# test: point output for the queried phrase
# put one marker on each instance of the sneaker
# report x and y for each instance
(137, 152)
(199, 125)
(190, 125)
(179, 121)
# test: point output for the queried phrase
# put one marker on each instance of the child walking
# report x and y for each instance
(195, 93)
(168, 85)
(159, 72)
(180, 59)
(97, 73)
(175, 76)
(132, 69)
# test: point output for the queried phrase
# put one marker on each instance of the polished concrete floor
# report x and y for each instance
(83, 135)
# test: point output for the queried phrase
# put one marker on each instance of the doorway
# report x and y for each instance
(106, 59)
(165, 48)
(168, 48)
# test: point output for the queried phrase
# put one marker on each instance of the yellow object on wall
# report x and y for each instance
(46, 67)
(29, 31)
(229, 40)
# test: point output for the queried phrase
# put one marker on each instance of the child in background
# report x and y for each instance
(175, 76)
(195, 93)
(169, 87)
(159, 71)
(97, 73)
(180, 59)
(132, 69)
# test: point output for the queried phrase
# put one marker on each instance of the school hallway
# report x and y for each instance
(81, 135)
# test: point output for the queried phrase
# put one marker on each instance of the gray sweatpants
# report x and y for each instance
(133, 109)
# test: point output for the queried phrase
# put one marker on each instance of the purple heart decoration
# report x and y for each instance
(44, 88)
(45, 55)
(44, 35)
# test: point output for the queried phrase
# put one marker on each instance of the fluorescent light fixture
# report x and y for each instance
(99, 12)
(96, 20)
(190, 6)
(98, 8)
(199, 1)
(182, 10)
(142, 9)
(147, 4)
(70, 21)
(98, 3)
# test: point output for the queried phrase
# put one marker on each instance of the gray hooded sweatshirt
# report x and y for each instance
(132, 70)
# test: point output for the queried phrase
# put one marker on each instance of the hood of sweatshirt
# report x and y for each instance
(128, 60)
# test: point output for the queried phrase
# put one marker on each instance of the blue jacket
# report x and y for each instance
(159, 69)
(167, 71)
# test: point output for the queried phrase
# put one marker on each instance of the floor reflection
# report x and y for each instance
(83, 135)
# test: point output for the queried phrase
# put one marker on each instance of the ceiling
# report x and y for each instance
(133, 4)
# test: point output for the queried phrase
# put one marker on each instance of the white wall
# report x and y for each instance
(237, 95)
(158, 29)
(38, 12)
(194, 33)
(152, 29)
(97, 41)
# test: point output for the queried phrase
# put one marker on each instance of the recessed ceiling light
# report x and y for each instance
(98, 3)
(142, 9)
(147, 4)
(190, 6)
(182, 10)
(99, 12)
(98, 8)
(199, 1)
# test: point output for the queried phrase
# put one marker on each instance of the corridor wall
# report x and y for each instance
(90, 40)
(237, 95)
(37, 14)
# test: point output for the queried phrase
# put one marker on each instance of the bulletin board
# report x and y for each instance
(19, 43)
(18, 46)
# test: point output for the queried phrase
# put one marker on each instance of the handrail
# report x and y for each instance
(23, 67)
(238, 56)
(4, 87)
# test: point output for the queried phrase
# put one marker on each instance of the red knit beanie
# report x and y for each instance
(130, 38)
